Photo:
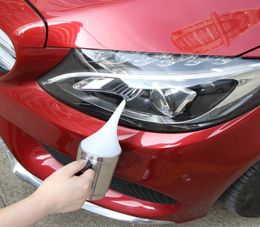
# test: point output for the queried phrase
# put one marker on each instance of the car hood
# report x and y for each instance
(194, 27)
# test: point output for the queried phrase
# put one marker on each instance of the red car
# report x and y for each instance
(190, 73)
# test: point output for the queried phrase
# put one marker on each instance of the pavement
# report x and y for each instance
(13, 189)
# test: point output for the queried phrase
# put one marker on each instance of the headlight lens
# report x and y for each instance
(164, 92)
(7, 53)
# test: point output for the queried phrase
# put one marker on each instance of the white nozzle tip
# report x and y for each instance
(104, 142)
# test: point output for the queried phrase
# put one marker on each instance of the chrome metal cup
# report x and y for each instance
(104, 168)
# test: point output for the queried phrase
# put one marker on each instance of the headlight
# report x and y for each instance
(7, 53)
(164, 92)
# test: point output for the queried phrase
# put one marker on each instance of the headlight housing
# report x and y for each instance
(164, 92)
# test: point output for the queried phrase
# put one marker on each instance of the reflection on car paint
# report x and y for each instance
(64, 5)
(214, 32)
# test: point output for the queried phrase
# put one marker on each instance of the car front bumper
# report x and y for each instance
(193, 168)
(21, 172)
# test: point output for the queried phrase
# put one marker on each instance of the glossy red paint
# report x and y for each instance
(28, 34)
(217, 31)
(26, 28)
(154, 26)
(32, 62)
(39, 162)
(194, 168)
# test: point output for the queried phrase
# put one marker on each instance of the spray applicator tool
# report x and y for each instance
(101, 150)
(104, 142)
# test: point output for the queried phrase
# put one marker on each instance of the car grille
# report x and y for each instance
(120, 185)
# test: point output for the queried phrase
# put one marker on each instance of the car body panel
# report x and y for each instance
(200, 27)
(27, 32)
(26, 29)
(194, 168)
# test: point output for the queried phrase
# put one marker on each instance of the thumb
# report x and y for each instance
(72, 168)
(88, 176)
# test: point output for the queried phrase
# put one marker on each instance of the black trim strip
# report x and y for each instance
(120, 185)
(248, 51)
